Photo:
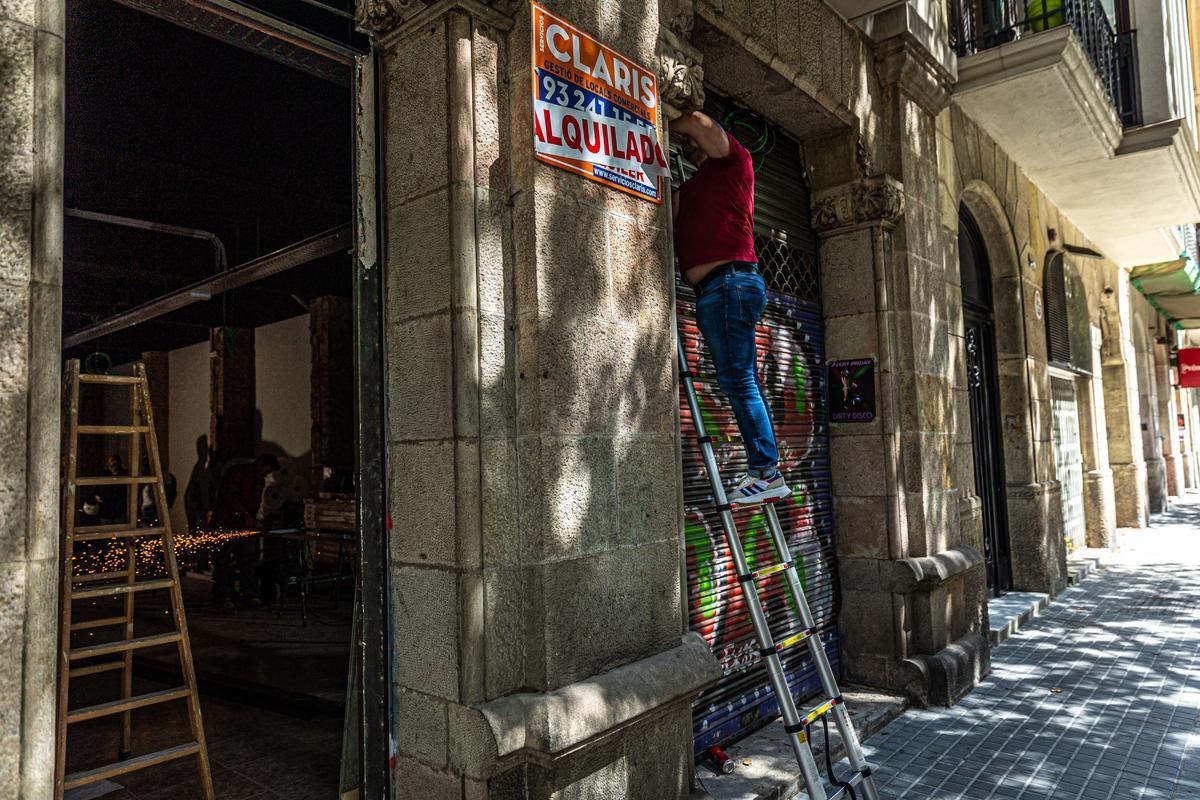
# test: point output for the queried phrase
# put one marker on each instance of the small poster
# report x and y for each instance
(852, 390)
(595, 111)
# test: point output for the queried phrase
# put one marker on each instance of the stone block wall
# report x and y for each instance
(1022, 228)
(912, 588)
(533, 424)
(31, 163)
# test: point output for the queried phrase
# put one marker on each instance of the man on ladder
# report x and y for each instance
(714, 242)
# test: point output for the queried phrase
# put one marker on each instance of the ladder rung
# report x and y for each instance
(122, 645)
(115, 480)
(854, 780)
(110, 527)
(793, 639)
(128, 704)
(111, 430)
(98, 623)
(113, 532)
(85, 777)
(123, 588)
(100, 576)
(94, 669)
(90, 378)
(818, 711)
(759, 574)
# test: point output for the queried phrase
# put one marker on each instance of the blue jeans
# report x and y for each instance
(726, 314)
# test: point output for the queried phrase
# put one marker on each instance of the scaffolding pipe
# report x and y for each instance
(219, 258)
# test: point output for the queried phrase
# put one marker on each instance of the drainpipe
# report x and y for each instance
(219, 260)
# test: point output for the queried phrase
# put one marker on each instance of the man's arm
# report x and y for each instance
(707, 134)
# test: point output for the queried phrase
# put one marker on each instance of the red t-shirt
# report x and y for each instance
(716, 211)
(243, 482)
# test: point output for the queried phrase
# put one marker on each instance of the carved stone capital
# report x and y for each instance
(868, 201)
(388, 19)
(680, 76)
(379, 16)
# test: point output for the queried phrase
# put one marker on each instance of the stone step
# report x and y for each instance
(1007, 614)
(1083, 563)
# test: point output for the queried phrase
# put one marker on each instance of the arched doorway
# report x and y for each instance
(983, 386)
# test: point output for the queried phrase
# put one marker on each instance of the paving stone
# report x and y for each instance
(1122, 648)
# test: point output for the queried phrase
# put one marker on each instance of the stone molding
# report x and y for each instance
(868, 201)
(680, 75)
(946, 676)
(681, 18)
(929, 572)
(904, 62)
(908, 575)
(1033, 490)
(546, 726)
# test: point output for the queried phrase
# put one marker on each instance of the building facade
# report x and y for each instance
(967, 199)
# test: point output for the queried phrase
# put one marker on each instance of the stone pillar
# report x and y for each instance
(1168, 427)
(536, 559)
(332, 397)
(1099, 502)
(1192, 406)
(1150, 421)
(1192, 428)
(232, 400)
(31, 168)
(1122, 414)
(1183, 435)
(158, 377)
(912, 588)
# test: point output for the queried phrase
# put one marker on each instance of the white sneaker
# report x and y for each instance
(750, 490)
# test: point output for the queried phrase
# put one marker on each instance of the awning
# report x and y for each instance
(1173, 287)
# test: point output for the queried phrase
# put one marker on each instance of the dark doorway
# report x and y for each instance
(210, 193)
(986, 442)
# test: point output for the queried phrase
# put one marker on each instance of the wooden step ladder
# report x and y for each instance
(75, 660)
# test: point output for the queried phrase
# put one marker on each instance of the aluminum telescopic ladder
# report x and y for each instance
(795, 723)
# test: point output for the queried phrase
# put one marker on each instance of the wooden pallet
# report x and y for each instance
(116, 654)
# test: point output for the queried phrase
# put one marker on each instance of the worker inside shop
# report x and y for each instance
(108, 504)
(241, 570)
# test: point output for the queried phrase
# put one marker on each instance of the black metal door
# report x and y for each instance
(987, 445)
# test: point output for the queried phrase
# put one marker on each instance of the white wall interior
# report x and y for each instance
(189, 419)
(283, 390)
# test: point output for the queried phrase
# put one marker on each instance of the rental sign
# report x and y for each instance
(595, 112)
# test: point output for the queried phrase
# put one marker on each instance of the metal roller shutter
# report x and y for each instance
(791, 358)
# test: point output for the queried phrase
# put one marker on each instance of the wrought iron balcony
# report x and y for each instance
(979, 25)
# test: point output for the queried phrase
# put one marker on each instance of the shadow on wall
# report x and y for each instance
(204, 482)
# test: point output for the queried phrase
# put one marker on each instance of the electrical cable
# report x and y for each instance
(761, 139)
(92, 361)
(833, 781)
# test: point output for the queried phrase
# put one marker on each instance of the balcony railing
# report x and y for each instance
(980, 25)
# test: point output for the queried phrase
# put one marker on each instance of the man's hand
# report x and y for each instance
(701, 129)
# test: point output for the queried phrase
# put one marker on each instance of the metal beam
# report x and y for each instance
(332, 241)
